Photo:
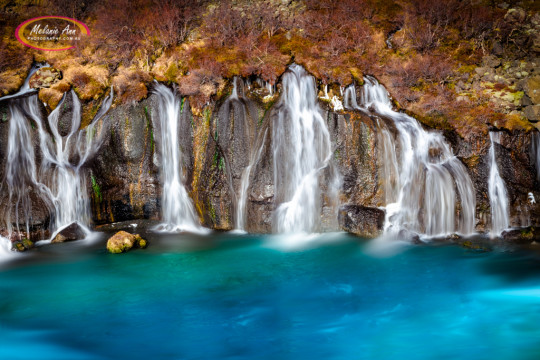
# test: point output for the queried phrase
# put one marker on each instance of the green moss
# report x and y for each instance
(213, 213)
(149, 127)
(207, 114)
(528, 233)
(19, 247)
(27, 243)
(466, 69)
(142, 244)
(147, 116)
(97, 190)
(172, 72)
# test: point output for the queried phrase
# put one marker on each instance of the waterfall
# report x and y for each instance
(60, 182)
(20, 172)
(423, 196)
(177, 209)
(302, 150)
(498, 197)
(63, 159)
(390, 166)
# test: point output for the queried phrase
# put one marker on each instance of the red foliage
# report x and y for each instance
(423, 69)
(80, 79)
(128, 26)
(226, 24)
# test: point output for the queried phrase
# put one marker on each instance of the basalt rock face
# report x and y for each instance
(224, 138)
(235, 133)
(516, 157)
(516, 165)
(124, 174)
(231, 135)
(354, 137)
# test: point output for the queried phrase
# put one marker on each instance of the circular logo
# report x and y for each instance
(51, 33)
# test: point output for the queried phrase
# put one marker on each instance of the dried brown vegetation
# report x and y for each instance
(200, 43)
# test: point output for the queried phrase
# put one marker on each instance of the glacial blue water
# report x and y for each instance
(254, 297)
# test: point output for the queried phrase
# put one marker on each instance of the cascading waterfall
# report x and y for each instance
(60, 182)
(301, 149)
(498, 197)
(177, 209)
(390, 168)
(429, 173)
(63, 159)
(21, 175)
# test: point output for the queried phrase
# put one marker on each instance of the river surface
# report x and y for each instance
(227, 296)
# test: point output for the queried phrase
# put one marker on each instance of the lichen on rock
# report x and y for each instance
(123, 241)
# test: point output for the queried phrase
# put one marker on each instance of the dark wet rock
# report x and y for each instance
(518, 173)
(357, 157)
(70, 233)
(234, 134)
(522, 235)
(260, 204)
(123, 241)
(361, 220)
(45, 77)
(124, 176)
(411, 236)
(65, 116)
(454, 237)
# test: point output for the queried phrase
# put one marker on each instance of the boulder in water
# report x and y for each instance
(522, 235)
(23, 245)
(69, 233)
(361, 220)
(123, 241)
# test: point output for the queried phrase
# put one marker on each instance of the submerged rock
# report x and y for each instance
(123, 241)
(361, 220)
(69, 233)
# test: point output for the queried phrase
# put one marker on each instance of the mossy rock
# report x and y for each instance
(23, 245)
(45, 78)
(123, 241)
